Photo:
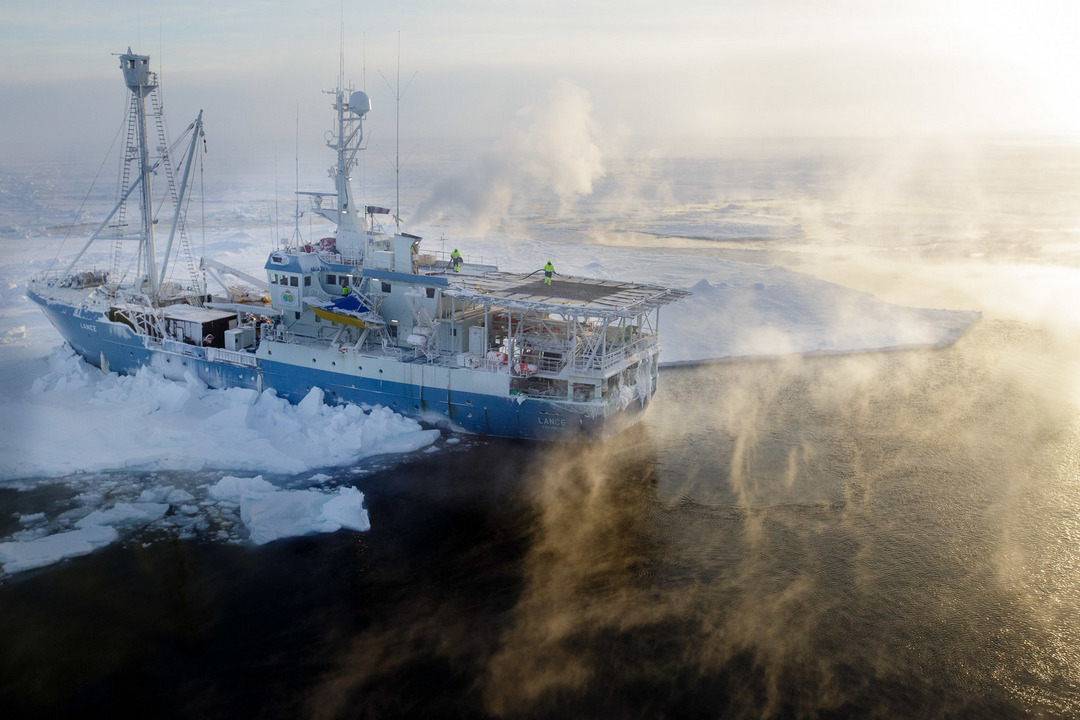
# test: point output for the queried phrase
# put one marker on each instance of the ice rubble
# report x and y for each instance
(264, 511)
(76, 419)
(81, 424)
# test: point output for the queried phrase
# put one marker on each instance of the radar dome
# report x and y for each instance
(359, 103)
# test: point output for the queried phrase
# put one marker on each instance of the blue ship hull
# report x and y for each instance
(527, 418)
(115, 347)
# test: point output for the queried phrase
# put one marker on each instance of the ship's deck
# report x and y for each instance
(577, 295)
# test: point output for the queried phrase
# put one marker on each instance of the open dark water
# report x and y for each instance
(890, 535)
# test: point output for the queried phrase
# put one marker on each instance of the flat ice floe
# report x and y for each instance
(748, 311)
(271, 514)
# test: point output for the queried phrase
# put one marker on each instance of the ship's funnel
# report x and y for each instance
(359, 103)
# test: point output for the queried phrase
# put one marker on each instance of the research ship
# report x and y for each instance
(363, 316)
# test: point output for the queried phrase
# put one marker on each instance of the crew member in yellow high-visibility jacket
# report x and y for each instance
(549, 270)
(455, 260)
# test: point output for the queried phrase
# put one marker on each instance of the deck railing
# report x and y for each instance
(613, 356)
(182, 348)
(549, 364)
(233, 357)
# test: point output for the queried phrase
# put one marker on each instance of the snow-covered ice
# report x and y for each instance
(753, 310)
(271, 514)
(16, 556)
(76, 419)
(104, 437)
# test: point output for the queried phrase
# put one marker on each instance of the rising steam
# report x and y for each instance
(555, 152)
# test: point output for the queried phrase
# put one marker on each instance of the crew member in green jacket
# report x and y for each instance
(549, 270)
(455, 260)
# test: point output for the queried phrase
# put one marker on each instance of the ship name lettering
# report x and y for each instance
(87, 326)
(560, 421)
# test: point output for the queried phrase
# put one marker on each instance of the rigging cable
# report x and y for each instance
(78, 212)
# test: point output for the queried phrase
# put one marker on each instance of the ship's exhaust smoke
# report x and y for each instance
(556, 153)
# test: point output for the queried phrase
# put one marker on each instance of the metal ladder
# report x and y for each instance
(130, 154)
(170, 175)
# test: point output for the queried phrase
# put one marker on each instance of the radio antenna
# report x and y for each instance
(398, 93)
(296, 210)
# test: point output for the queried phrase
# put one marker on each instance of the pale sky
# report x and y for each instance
(651, 69)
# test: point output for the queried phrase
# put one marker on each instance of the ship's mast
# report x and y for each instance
(142, 82)
(346, 140)
(150, 277)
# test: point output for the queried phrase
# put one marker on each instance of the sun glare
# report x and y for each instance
(1031, 49)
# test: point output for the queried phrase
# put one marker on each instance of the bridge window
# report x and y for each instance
(431, 292)
(294, 281)
(307, 281)
(386, 287)
(331, 279)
